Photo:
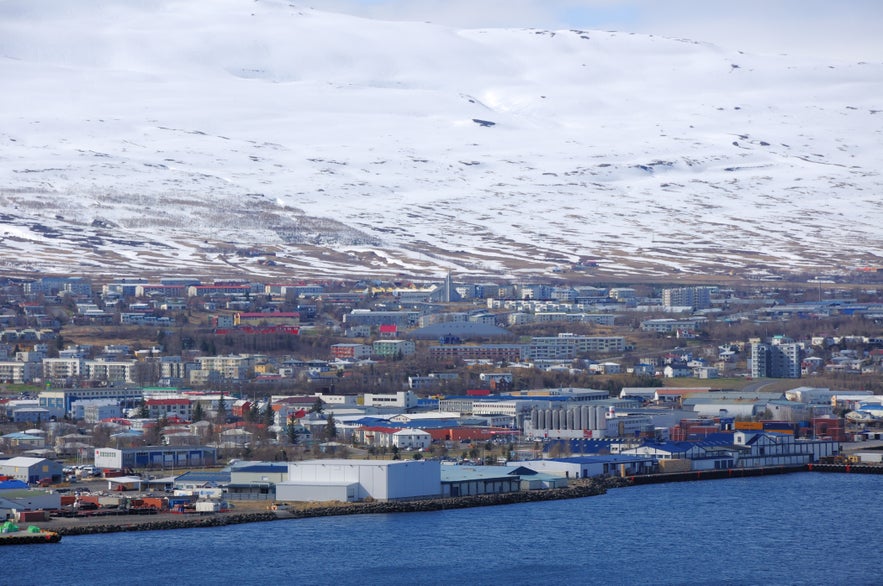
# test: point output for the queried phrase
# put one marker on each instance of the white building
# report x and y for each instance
(353, 480)
(590, 466)
(566, 346)
(16, 372)
(62, 368)
(399, 400)
(122, 371)
(411, 439)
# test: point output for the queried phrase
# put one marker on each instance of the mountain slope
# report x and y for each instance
(265, 137)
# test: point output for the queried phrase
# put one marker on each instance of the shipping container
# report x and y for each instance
(749, 425)
(32, 516)
(160, 504)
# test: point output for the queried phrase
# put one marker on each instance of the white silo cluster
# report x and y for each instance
(570, 421)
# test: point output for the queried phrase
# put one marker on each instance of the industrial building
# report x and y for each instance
(60, 402)
(16, 496)
(590, 466)
(475, 480)
(355, 480)
(31, 470)
(569, 421)
(155, 457)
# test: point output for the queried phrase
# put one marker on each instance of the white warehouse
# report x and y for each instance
(355, 480)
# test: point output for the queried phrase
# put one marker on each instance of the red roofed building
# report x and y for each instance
(476, 434)
(379, 437)
(389, 331)
(159, 408)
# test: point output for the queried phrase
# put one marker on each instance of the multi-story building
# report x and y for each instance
(173, 368)
(567, 346)
(695, 297)
(15, 372)
(122, 371)
(59, 402)
(122, 288)
(94, 410)
(218, 290)
(62, 368)
(56, 285)
(670, 325)
(492, 352)
(535, 291)
(351, 351)
(159, 408)
(621, 293)
(160, 290)
(775, 360)
(366, 317)
(520, 318)
(279, 318)
(393, 348)
(144, 319)
(399, 400)
(231, 367)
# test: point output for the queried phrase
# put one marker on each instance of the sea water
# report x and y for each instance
(804, 528)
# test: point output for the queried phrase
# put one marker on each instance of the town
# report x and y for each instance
(217, 392)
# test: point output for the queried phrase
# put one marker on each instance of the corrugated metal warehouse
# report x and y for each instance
(325, 480)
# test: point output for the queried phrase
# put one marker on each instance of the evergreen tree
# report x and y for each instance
(198, 412)
(252, 415)
(318, 406)
(143, 411)
(292, 430)
(330, 428)
(222, 410)
(269, 414)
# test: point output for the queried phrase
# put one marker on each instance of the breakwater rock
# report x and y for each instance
(183, 523)
(577, 489)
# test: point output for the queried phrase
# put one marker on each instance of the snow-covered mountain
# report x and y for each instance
(263, 137)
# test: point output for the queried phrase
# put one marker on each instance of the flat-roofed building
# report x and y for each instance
(355, 480)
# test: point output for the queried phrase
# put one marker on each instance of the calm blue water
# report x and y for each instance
(806, 528)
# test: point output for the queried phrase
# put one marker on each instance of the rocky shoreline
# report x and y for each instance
(577, 489)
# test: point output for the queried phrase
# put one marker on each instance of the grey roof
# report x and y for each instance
(464, 473)
(201, 477)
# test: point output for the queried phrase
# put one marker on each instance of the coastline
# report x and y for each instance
(579, 488)
(166, 521)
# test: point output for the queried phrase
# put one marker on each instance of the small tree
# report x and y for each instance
(198, 412)
(395, 453)
(143, 411)
(318, 406)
